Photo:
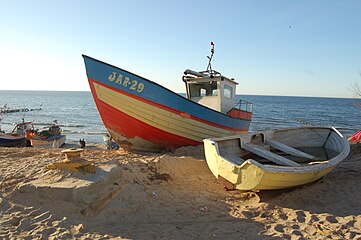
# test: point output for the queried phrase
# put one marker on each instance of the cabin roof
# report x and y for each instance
(205, 76)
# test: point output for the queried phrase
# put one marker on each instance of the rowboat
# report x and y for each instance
(142, 115)
(275, 159)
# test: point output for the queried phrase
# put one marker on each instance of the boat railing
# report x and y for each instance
(244, 105)
(242, 110)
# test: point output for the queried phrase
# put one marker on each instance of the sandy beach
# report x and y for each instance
(166, 196)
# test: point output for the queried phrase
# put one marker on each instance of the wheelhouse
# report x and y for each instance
(213, 90)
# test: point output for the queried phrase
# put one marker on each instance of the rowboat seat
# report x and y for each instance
(290, 150)
(269, 155)
(233, 158)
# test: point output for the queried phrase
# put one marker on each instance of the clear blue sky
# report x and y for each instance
(301, 48)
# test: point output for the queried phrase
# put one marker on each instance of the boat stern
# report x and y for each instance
(211, 152)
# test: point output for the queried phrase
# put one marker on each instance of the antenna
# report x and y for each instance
(209, 67)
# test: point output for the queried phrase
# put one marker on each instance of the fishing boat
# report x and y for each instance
(142, 115)
(275, 159)
(25, 129)
(49, 138)
(8, 140)
(18, 137)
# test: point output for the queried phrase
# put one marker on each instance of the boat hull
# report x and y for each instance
(227, 159)
(143, 115)
(53, 142)
(12, 141)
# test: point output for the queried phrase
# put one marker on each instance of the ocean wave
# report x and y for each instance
(83, 132)
(47, 124)
(345, 129)
(72, 125)
(60, 125)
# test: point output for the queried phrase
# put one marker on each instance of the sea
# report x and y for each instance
(78, 116)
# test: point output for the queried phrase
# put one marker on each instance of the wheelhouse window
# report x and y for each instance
(228, 91)
(203, 89)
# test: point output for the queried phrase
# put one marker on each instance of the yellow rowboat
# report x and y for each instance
(275, 159)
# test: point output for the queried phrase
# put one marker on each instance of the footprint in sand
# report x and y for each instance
(301, 216)
(283, 216)
(295, 227)
(279, 228)
(13, 221)
(331, 219)
(297, 233)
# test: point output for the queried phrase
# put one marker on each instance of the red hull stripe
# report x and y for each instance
(131, 127)
(164, 107)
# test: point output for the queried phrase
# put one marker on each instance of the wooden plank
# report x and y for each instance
(290, 150)
(269, 155)
(233, 158)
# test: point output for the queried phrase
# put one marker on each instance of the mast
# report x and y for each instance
(209, 67)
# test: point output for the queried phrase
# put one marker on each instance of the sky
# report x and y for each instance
(276, 47)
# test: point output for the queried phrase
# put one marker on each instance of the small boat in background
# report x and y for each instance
(356, 137)
(8, 140)
(19, 136)
(275, 159)
(51, 137)
(142, 115)
(25, 129)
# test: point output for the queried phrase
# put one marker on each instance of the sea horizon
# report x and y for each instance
(183, 94)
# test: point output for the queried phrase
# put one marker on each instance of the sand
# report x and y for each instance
(166, 196)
